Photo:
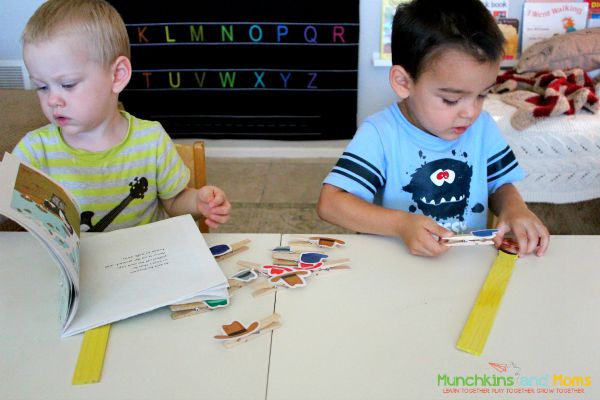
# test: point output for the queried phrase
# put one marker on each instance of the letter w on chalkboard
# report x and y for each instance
(240, 69)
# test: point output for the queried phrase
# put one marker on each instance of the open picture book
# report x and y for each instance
(110, 276)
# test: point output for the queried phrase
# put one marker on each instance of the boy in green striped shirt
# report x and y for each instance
(122, 170)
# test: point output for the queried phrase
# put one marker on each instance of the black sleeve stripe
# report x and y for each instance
(374, 168)
(502, 163)
(506, 171)
(347, 175)
(504, 150)
(357, 169)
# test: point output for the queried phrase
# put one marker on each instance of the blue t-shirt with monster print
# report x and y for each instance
(397, 165)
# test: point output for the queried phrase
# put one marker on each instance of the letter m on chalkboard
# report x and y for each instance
(240, 69)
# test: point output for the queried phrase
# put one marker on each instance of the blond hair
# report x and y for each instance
(93, 20)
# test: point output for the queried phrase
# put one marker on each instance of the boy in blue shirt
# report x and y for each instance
(433, 165)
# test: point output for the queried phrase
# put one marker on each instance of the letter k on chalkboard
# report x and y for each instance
(244, 69)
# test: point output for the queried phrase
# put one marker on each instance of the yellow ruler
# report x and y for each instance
(478, 326)
(91, 356)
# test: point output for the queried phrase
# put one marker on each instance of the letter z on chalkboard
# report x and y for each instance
(244, 69)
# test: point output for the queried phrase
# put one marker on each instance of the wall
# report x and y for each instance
(374, 92)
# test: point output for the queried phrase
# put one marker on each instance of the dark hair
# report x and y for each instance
(422, 28)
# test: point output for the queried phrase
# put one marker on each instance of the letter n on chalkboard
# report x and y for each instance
(240, 69)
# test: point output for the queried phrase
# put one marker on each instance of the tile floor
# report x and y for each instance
(272, 195)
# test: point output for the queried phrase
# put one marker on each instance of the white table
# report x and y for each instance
(384, 330)
(388, 328)
(149, 356)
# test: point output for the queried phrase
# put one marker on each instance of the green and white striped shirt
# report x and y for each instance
(111, 183)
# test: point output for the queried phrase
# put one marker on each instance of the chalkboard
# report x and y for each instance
(244, 69)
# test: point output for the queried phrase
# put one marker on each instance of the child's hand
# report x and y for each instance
(212, 203)
(418, 232)
(531, 233)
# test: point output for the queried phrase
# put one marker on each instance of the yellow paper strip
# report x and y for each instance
(478, 326)
(91, 356)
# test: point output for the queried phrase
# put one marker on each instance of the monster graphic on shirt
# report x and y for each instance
(441, 188)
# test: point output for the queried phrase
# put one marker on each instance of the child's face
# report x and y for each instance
(448, 96)
(75, 92)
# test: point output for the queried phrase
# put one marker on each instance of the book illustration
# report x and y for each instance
(388, 9)
(48, 207)
(544, 20)
(137, 188)
(115, 275)
(510, 30)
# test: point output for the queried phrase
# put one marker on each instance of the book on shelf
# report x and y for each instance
(542, 20)
(498, 8)
(110, 276)
(388, 9)
(510, 30)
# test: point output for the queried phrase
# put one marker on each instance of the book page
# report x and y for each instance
(131, 271)
(44, 208)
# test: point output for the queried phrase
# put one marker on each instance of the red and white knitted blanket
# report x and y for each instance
(544, 94)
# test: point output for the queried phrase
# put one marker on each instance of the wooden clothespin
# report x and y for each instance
(198, 307)
(224, 251)
(291, 277)
(295, 247)
(319, 241)
(483, 236)
(236, 333)
(284, 258)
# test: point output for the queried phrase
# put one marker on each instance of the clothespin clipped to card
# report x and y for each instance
(236, 333)
(479, 237)
(242, 277)
(292, 277)
(198, 307)
(296, 247)
(319, 241)
(224, 251)
(294, 259)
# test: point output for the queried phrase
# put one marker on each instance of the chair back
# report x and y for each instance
(194, 158)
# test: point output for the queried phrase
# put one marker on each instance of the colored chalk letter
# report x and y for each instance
(197, 35)
(147, 76)
(200, 80)
(338, 31)
(282, 30)
(227, 79)
(141, 36)
(259, 79)
(253, 29)
(285, 78)
(174, 85)
(314, 77)
(227, 32)
(313, 37)
(167, 36)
